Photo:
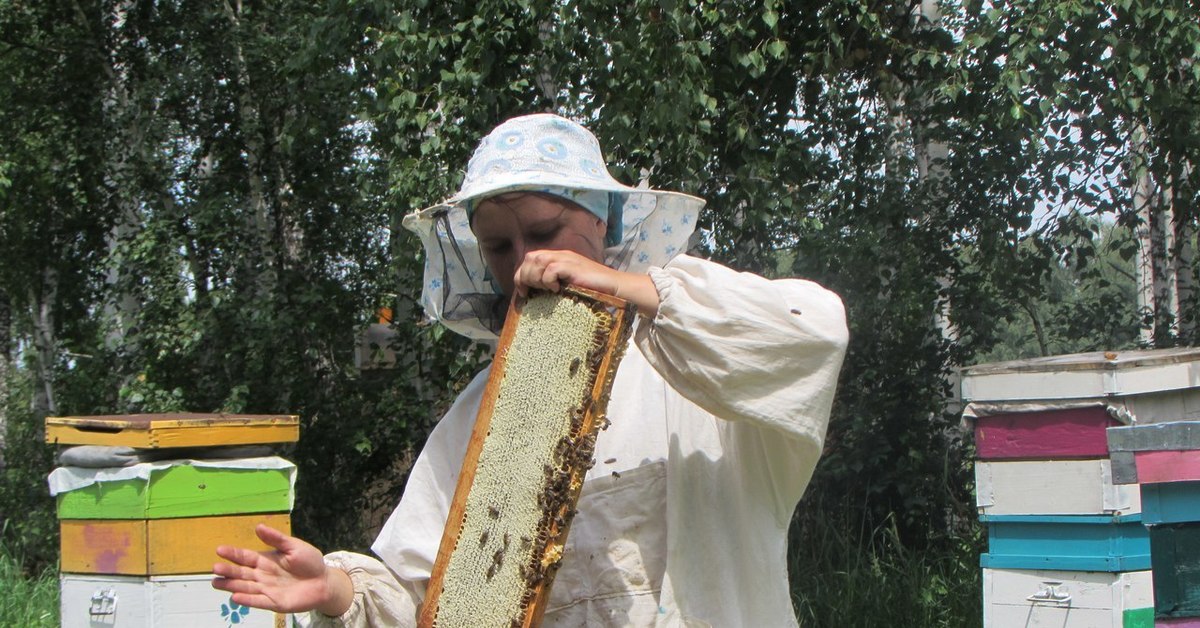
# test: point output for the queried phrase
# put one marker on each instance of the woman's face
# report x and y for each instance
(510, 225)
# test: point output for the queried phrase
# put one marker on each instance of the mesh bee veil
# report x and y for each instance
(534, 153)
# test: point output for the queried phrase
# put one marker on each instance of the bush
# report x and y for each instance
(27, 601)
(846, 578)
(28, 527)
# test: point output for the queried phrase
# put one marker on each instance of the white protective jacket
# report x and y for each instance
(718, 420)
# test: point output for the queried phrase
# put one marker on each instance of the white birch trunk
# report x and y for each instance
(1167, 282)
(5, 366)
(929, 156)
(1183, 263)
(545, 78)
(260, 220)
(1144, 266)
(45, 344)
(124, 146)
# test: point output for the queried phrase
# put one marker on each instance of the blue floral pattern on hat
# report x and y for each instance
(552, 148)
(592, 169)
(497, 166)
(511, 140)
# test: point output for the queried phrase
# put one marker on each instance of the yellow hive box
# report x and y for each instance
(154, 431)
(155, 547)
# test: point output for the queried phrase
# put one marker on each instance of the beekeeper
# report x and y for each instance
(718, 414)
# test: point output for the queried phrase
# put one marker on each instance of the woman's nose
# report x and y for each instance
(520, 248)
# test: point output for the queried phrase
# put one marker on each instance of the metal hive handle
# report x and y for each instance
(1050, 594)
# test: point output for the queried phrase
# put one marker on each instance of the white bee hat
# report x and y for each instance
(541, 153)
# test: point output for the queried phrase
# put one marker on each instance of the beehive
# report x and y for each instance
(532, 443)
(157, 547)
(1025, 597)
(1166, 466)
(1066, 540)
(138, 541)
(175, 489)
(184, 601)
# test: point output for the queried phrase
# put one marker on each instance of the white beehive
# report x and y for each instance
(94, 601)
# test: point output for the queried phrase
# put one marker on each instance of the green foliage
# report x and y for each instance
(28, 600)
(793, 142)
(1082, 304)
(229, 241)
(847, 576)
(1081, 99)
(28, 526)
(200, 208)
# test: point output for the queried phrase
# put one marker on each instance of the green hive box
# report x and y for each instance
(182, 491)
(1175, 553)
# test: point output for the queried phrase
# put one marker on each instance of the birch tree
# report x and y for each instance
(200, 203)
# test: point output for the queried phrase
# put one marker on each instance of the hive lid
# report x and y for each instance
(1167, 436)
(1091, 375)
(183, 429)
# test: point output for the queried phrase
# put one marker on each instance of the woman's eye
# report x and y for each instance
(543, 235)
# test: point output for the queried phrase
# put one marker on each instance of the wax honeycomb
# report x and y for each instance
(539, 442)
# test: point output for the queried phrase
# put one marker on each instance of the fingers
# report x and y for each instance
(239, 555)
(548, 270)
(245, 591)
(551, 270)
(235, 572)
(234, 585)
(273, 537)
(549, 279)
(243, 584)
(256, 601)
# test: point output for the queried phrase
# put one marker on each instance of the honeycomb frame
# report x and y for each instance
(537, 424)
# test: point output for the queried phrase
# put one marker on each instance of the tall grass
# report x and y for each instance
(841, 578)
(26, 600)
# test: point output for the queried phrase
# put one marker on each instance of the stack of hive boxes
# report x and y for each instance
(143, 502)
(1164, 460)
(1066, 544)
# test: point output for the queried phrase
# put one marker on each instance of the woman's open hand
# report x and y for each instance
(292, 578)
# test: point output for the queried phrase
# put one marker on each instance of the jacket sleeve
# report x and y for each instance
(380, 597)
(747, 348)
(761, 354)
